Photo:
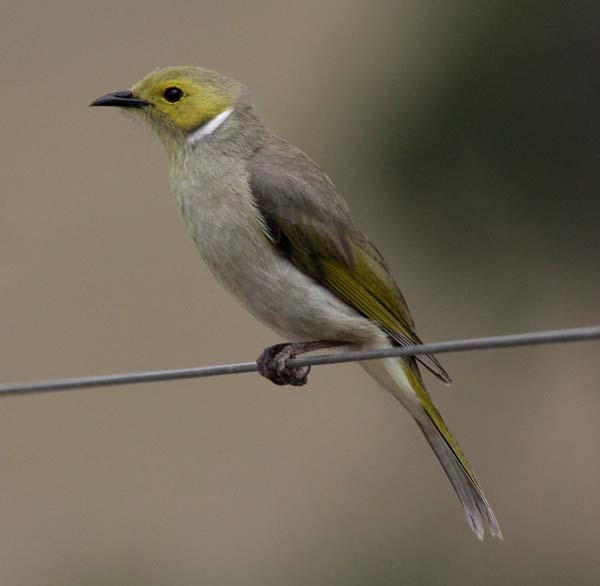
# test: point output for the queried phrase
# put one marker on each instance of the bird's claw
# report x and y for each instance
(272, 365)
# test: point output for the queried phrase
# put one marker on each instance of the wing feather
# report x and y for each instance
(308, 221)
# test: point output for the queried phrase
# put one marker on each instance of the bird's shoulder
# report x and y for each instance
(285, 177)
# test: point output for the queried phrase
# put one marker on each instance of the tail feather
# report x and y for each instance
(451, 457)
(403, 380)
(470, 495)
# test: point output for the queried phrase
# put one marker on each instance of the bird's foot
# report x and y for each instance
(272, 362)
(272, 365)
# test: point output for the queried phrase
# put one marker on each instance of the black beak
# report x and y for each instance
(123, 99)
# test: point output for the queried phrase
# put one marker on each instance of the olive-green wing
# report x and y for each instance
(308, 222)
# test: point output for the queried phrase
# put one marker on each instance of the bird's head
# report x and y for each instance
(178, 102)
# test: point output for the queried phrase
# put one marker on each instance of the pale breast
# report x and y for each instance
(219, 211)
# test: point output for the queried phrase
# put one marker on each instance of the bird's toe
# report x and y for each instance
(272, 365)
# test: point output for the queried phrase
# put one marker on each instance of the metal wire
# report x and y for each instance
(529, 339)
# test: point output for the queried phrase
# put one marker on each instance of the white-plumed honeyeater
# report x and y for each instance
(275, 231)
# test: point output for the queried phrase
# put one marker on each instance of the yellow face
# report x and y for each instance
(185, 97)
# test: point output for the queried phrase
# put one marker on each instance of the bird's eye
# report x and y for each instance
(173, 94)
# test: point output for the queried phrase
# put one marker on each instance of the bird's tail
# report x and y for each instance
(475, 505)
(403, 380)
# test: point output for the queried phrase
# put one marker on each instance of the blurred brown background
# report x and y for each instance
(465, 136)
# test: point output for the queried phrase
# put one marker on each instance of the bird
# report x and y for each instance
(274, 230)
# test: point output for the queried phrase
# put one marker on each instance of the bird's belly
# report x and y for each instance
(270, 286)
(295, 306)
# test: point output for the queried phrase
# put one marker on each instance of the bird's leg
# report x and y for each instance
(272, 362)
